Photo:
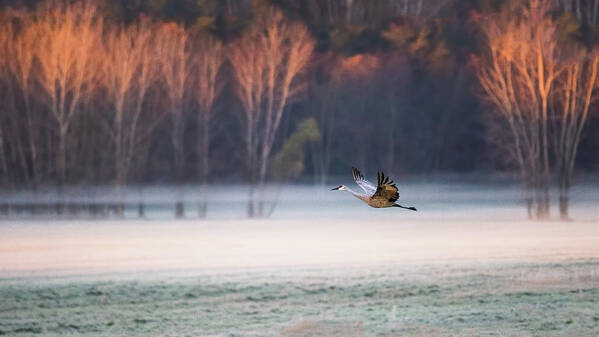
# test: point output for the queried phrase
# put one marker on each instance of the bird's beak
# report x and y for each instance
(334, 189)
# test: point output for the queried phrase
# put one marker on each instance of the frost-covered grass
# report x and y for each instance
(468, 263)
(498, 299)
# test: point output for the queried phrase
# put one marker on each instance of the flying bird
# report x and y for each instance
(381, 196)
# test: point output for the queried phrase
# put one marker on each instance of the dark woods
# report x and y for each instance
(209, 91)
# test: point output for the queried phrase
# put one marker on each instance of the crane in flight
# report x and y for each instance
(381, 196)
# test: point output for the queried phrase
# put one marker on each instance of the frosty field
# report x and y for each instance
(323, 265)
(557, 299)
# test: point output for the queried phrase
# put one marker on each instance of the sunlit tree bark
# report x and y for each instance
(18, 130)
(129, 70)
(517, 76)
(4, 41)
(128, 73)
(20, 62)
(68, 41)
(575, 92)
(265, 63)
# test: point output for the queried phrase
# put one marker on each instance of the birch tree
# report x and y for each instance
(129, 71)
(206, 61)
(575, 92)
(517, 76)
(4, 41)
(173, 58)
(68, 38)
(21, 52)
(266, 62)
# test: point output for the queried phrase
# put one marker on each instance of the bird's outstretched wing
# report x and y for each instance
(386, 190)
(366, 185)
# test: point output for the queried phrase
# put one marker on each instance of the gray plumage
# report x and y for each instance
(385, 194)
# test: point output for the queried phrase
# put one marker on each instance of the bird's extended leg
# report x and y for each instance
(410, 208)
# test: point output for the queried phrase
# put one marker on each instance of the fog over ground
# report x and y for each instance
(311, 226)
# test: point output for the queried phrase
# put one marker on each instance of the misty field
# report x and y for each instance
(468, 263)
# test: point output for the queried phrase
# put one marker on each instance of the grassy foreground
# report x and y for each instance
(500, 299)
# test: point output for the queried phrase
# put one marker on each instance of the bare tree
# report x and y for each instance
(20, 64)
(173, 57)
(5, 34)
(206, 61)
(517, 76)
(17, 125)
(128, 73)
(68, 38)
(265, 63)
(574, 95)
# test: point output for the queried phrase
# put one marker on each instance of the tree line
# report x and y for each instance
(542, 84)
(84, 96)
(107, 91)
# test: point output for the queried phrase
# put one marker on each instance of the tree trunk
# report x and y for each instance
(3, 161)
(141, 210)
(563, 203)
(328, 119)
(32, 146)
(348, 10)
(564, 183)
(61, 155)
(528, 195)
(179, 159)
(546, 202)
(119, 156)
(529, 204)
(177, 139)
(179, 205)
(391, 135)
(542, 198)
(251, 166)
(251, 208)
(261, 183)
(23, 160)
(119, 164)
(179, 210)
(204, 156)
(120, 207)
